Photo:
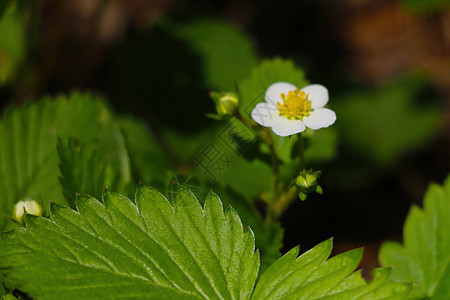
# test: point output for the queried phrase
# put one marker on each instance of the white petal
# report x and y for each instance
(320, 118)
(265, 114)
(318, 95)
(274, 91)
(286, 127)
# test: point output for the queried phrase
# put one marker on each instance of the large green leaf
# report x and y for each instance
(28, 152)
(269, 236)
(311, 276)
(425, 256)
(84, 170)
(116, 249)
(151, 165)
(156, 249)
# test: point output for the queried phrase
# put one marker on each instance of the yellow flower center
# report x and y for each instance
(295, 105)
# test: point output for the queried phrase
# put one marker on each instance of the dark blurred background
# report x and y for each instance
(357, 48)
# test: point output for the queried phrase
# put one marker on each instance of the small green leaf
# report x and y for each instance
(425, 256)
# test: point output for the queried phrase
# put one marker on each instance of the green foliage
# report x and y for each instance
(12, 39)
(149, 163)
(28, 152)
(384, 124)
(83, 170)
(228, 56)
(321, 145)
(426, 7)
(250, 178)
(3, 6)
(148, 250)
(156, 249)
(425, 255)
(269, 235)
(311, 276)
(5, 292)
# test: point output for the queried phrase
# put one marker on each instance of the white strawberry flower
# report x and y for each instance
(288, 110)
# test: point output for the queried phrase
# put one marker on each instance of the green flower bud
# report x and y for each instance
(226, 103)
(307, 183)
(31, 207)
(306, 180)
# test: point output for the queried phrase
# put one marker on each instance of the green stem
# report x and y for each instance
(286, 198)
(301, 151)
(275, 165)
(266, 136)
(271, 214)
(244, 121)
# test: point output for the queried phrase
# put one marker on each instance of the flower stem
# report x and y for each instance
(284, 201)
(266, 136)
(286, 198)
(276, 172)
(301, 151)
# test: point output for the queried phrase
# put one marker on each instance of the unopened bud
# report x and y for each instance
(307, 183)
(306, 180)
(226, 103)
(31, 207)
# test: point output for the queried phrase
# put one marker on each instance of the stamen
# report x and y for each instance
(295, 105)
